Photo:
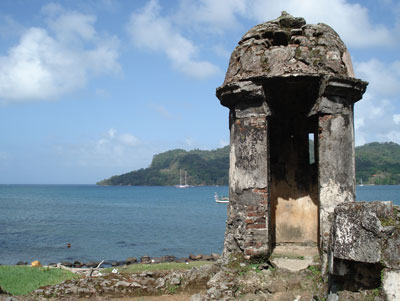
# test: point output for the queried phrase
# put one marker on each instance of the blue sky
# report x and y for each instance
(90, 89)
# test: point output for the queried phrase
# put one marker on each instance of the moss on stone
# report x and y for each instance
(297, 53)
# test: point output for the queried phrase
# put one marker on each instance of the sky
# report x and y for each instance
(90, 89)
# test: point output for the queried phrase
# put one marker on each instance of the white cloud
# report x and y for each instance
(373, 119)
(393, 136)
(376, 118)
(358, 123)
(210, 15)
(350, 20)
(162, 111)
(111, 133)
(148, 29)
(69, 26)
(128, 140)
(48, 62)
(110, 150)
(189, 141)
(223, 143)
(113, 141)
(221, 51)
(383, 78)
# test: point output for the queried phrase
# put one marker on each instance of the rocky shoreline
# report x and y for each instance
(132, 260)
(122, 285)
(221, 280)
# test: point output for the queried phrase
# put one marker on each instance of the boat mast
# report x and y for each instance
(185, 178)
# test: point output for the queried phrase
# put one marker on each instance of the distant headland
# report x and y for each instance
(376, 164)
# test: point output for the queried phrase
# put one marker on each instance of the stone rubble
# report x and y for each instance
(365, 248)
(119, 285)
(249, 282)
(132, 260)
(235, 279)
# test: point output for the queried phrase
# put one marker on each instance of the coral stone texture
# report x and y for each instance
(287, 82)
(288, 46)
(290, 89)
(365, 247)
(358, 234)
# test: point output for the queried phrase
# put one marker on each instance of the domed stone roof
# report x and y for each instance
(287, 46)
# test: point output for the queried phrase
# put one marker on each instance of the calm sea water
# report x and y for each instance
(113, 223)
(110, 223)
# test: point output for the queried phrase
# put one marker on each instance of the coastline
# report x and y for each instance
(131, 260)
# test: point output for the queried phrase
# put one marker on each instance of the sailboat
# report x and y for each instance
(180, 180)
(361, 183)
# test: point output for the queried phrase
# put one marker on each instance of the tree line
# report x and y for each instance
(376, 163)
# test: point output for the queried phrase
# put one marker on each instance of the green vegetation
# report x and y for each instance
(315, 270)
(202, 167)
(390, 220)
(20, 280)
(172, 289)
(238, 264)
(373, 294)
(376, 163)
(137, 268)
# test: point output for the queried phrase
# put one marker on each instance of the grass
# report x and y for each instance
(137, 268)
(315, 273)
(287, 256)
(20, 280)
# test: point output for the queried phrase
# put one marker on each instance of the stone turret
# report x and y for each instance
(288, 82)
(288, 46)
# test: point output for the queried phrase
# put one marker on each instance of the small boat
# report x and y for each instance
(224, 199)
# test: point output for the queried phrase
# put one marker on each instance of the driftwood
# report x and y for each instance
(82, 271)
(96, 268)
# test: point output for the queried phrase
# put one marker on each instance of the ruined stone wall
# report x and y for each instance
(287, 79)
(364, 249)
(336, 177)
(336, 152)
(248, 210)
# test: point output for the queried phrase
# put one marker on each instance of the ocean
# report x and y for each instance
(113, 223)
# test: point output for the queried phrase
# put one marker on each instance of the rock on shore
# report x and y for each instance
(134, 284)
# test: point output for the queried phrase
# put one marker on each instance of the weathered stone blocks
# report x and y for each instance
(391, 284)
(287, 79)
(365, 246)
(288, 46)
(366, 232)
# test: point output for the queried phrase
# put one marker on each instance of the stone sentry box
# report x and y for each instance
(288, 81)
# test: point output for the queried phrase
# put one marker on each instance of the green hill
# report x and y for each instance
(202, 168)
(376, 163)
